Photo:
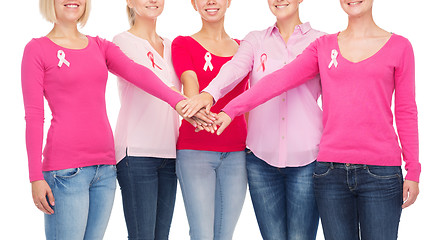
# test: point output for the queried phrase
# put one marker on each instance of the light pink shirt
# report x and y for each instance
(286, 130)
(357, 97)
(146, 126)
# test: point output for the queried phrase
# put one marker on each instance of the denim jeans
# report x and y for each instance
(148, 188)
(283, 200)
(358, 201)
(83, 202)
(213, 186)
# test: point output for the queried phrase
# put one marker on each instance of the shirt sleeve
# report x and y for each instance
(32, 75)
(121, 65)
(406, 112)
(303, 68)
(181, 56)
(235, 70)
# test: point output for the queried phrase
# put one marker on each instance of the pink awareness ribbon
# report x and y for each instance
(152, 59)
(62, 60)
(263, 60)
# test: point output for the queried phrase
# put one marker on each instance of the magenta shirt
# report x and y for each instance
(73, 81)
(284, 131)
(357, 97)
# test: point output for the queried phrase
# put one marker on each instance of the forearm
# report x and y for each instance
(190, 83)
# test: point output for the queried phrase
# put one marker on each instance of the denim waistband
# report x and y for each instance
(344, 165)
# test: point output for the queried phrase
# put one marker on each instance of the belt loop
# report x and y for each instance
(332, 165)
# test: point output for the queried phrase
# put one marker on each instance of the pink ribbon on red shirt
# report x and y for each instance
(152, 59)
(263, 60)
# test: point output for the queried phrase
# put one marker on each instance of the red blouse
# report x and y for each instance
(187, 55)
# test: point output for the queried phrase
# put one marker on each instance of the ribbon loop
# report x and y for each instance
(208, 63)
(62, 60)
(263, 60)
(334, 55)
(152, 59)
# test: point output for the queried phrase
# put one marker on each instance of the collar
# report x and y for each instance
(302, 28)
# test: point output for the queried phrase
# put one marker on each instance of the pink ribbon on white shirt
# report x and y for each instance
(208, 63)
(334, 55)
(263, 60)
(152, 59)
(62, 60)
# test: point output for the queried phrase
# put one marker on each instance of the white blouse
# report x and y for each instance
(146, 126)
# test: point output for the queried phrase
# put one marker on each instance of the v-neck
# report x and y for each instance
(366, 59)
(155, 53)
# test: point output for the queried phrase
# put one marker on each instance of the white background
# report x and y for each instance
(20, 21)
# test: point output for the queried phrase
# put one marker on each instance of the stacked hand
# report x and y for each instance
(197, 111)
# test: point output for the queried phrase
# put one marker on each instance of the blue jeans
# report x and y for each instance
(213, 186)
(283, 200)
(148, 188)
(358, 201)
(83, 202)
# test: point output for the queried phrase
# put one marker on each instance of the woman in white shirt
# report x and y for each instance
(147, 129)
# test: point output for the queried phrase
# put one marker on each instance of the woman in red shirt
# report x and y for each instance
(211, 169)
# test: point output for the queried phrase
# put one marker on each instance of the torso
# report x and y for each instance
(189, 49)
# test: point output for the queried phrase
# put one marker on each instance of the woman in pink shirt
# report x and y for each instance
(147, 129)
(283, 133)
(210, 168)
(70, 70)
(358, 181)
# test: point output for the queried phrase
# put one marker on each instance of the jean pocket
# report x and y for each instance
(67, 173)
(322, 169)
(385, 172)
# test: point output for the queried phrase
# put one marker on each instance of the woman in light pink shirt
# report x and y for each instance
(283, 133)
(147, 129)
(358, 183)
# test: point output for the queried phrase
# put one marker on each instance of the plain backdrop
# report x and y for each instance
(20, 21)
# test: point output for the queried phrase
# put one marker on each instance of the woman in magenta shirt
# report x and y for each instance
(75, 183)
(211, 169)
(283, 133)
(358, 180)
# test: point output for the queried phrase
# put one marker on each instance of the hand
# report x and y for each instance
(178, 109)
(40, 192)
(207, 118)
(197, 102)
(197, 121)
(411, 190)
(223, 120)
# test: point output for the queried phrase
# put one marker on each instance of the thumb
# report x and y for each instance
(208, 109)
(223, 126)
(51, 197)
(405, 193)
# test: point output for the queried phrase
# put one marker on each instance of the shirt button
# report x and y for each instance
(285, 62)
(283, 137)
(283, 99)
(283, 118)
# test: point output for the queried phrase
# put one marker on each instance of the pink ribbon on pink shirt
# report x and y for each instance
(263, 62)
(152, 59)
